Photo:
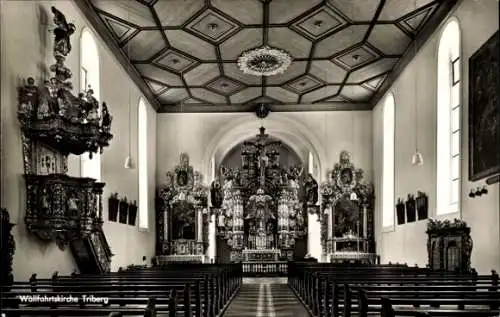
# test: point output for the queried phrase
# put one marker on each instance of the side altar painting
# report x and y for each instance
(258, 208)
(182, 216)
(347, 229)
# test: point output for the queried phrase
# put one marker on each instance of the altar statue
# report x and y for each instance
(216, 194)
(311, 187)
(259, 209)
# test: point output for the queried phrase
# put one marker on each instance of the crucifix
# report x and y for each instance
(260, 147)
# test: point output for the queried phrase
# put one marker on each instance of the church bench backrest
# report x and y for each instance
(315, 292)
(368, 299)
(389, 311)
(208, 291)
(91, 312)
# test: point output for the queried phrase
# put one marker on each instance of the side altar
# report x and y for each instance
(257, 208)
(182, 216)
(347, 228)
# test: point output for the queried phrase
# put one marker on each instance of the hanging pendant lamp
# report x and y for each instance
(129, 164)
(417, 158)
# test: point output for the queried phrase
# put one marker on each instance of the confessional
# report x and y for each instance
(449, 245)
(182, 216)
(346, 215)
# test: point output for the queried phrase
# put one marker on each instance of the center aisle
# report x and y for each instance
(265, 299)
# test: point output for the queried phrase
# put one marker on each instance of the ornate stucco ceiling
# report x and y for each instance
(183, 53)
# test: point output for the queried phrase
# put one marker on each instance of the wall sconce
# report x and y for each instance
(478, 192)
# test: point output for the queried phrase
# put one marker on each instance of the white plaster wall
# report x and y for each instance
(407, 243)
(26, 47)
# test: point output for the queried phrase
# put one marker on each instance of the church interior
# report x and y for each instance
(241, 158)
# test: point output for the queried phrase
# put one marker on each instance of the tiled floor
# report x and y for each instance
(265, 298)
(265, 280)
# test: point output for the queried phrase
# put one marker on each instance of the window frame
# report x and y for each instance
(449, 184)
(389, 207)
(90, 167)
(142, 165)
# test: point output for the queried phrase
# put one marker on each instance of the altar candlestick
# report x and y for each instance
(200, 226)
(330, 223)
(357, 234)
(365, 222)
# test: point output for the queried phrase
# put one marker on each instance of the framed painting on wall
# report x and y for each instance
(484, 131)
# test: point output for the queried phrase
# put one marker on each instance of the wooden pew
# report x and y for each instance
(389, 311)
(372, 301)
(321, 286)
(177, 293)
(148, 311)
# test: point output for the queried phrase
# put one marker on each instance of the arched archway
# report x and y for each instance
(291, 132)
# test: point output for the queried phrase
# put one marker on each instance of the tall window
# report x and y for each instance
(388, 163)
(89, 76)
(142, 147)
(448, 120)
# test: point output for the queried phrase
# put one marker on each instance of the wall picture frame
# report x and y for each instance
(484, 130)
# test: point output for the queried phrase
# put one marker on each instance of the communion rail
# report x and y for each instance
(265, 269)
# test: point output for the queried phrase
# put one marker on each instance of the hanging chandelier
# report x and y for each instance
(264, 61)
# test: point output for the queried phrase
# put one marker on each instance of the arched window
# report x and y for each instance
(388, 205)
(448, 120)
(90, 77)
(142, 148)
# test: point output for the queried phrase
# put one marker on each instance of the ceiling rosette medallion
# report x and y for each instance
(264, 61)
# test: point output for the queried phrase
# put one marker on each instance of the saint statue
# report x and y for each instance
(259, 207)
(216, 194)
(106, 118)
(62, 33)
(73, 206)
(311, 187)
(28, 98)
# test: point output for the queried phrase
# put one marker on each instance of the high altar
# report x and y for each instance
(347, 233)
(258, 209)
(182, 216)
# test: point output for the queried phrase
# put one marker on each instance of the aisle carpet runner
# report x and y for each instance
(265, 300)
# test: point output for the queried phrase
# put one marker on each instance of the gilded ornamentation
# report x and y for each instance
(346, 207)
(182, 212)
(62, 207)
(62, 33)
(52, 115)
(54, 123)
(260, 210)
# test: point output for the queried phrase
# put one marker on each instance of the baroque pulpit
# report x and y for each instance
(55, 124)
(260, 216)
(182, 217)
(347, 230)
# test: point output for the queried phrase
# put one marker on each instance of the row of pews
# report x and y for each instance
(332, 290)
(178, 290)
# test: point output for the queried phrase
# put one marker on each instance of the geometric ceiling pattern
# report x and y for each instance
(185, 51)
